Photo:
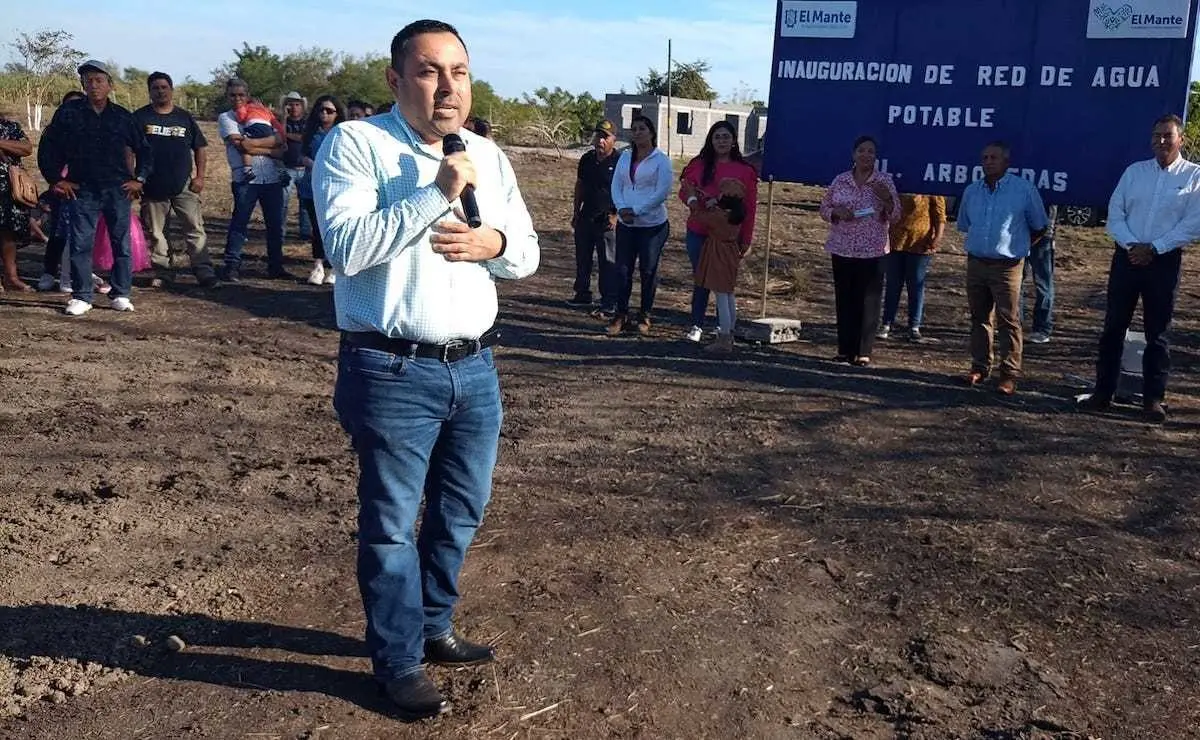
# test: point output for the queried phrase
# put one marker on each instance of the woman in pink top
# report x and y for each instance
(720, 158)
(860, 206)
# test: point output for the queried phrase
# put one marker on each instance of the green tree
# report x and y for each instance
(46, 60)
(307, 71)
(485, 103)
(260, 68)
(134, 76)
(359, 78)
(204, 100)
(580, 112)
(686, 81)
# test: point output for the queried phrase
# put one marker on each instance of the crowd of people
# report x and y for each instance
(881, 243)
(105, 163)
(124, 175)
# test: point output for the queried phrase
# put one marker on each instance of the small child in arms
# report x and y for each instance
(258, 122)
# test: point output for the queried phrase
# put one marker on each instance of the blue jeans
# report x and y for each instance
(270, 198)
(302, 189)
(89, 206)
(643, 245)
(903, 269)
(695, 246)
(1040, 263)
(419, 427)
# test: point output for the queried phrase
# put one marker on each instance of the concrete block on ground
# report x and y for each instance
(1129, 383)
(769, 330)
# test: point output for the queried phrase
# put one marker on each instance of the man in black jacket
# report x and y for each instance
(95, 140)
(594, 218)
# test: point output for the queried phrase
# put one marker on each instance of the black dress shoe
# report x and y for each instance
(1094, 402)
(415, 697)
(453, 650)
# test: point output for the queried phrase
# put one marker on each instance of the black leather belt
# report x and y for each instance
(452, 351)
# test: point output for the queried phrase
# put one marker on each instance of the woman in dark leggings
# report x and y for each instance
(326, 113)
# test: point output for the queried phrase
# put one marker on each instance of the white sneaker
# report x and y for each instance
(45, 282)
(64, 286)
(317, 276)
(76, 307)
(695, 334)
(330, 278)
(884, 331)
(122, 304)
(1039, 337)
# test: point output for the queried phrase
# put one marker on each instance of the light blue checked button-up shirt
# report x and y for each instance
(376, 203)
(999, 223)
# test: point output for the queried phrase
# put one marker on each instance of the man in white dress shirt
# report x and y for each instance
(1152, 214)
(417, 389)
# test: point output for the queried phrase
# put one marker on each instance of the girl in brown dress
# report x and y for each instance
(14, 217)
(722, 255)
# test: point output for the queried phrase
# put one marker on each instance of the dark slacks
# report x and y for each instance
(858, 296)
(1157, 284)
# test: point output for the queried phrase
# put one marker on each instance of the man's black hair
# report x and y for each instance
(160, 76)
(1170, 118)
(1003, 146)
(414, 29)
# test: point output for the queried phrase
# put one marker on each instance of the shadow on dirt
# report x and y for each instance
(114, 639)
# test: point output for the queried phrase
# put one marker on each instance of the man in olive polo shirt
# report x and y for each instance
(594, 220)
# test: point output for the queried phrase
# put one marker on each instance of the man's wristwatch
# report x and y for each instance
(141, 179)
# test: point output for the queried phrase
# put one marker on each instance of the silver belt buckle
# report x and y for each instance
(448, 346)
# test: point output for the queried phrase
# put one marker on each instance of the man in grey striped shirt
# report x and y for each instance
(417, 389)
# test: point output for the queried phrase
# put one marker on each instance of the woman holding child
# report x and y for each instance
(700, 188)
(860, 205)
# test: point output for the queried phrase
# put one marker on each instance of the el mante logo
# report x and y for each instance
(1145, 19)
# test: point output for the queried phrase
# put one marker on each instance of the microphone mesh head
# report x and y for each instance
(452, 143)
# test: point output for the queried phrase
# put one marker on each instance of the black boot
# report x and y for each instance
(453, 650)
(415, 697)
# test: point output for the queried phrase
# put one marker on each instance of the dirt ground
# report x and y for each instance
(679, 546)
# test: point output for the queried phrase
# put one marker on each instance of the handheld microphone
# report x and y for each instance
(451, 144)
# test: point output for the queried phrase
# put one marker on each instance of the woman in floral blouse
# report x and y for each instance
(860, 206)
(14, 217)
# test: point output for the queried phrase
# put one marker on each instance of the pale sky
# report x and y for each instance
(516, 45)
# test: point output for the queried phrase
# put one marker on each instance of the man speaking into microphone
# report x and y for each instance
(417, 389)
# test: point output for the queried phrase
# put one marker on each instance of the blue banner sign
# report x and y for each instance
(1073, 86)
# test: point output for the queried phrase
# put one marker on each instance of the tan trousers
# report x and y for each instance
(993, 294)
(186, 206)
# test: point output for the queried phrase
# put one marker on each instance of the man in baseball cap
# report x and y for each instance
(593, 219)
(82, 155)
(93, 65)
